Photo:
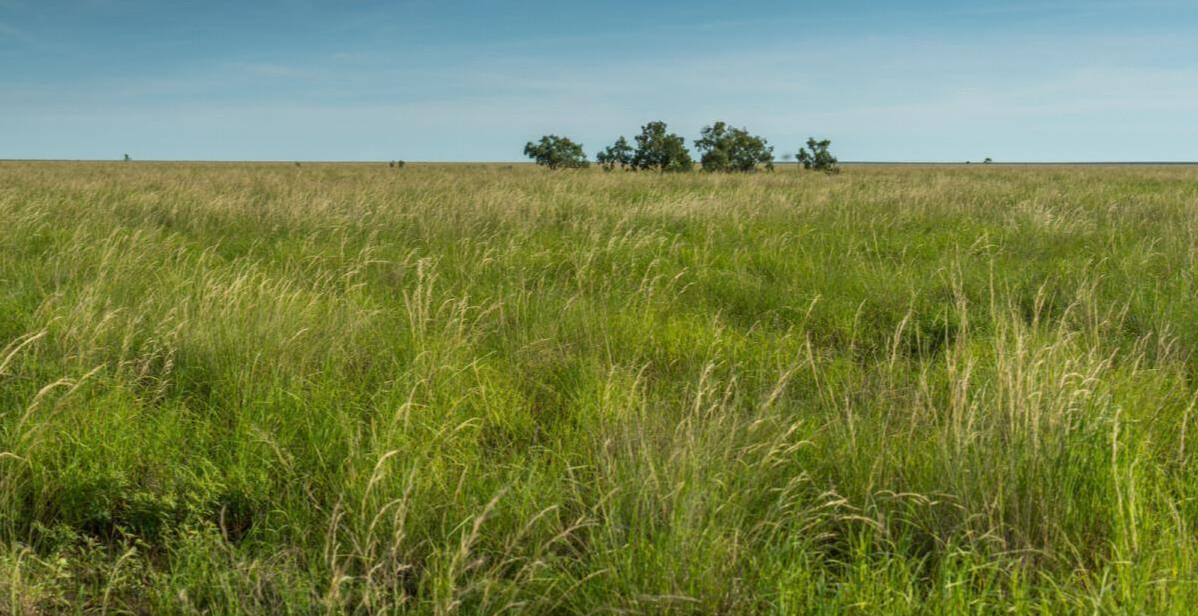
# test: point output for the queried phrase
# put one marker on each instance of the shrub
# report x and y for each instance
(733, 150)
(819, 158)
(658, 150)
(556, 153)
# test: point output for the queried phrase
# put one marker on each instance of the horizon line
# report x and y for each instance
(266, 161)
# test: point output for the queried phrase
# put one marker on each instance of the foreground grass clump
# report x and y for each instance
(338, 389)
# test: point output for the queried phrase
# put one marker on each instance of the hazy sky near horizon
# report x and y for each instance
(449, 80)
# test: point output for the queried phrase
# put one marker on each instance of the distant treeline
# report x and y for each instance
(722, 149)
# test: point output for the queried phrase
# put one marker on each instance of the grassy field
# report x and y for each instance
(484, 389)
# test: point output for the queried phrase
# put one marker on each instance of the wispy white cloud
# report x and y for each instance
(1084, 6)
(11, 32)
(272, 69)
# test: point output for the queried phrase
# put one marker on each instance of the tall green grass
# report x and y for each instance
(334, 389)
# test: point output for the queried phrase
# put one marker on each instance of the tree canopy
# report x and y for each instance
(619, 153)
(724, 148)
(556, 153)
(818, 158)
(659, 150)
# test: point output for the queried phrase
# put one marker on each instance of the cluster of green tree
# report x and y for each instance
(722, 148)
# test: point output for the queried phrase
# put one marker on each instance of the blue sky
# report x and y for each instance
(450, 80)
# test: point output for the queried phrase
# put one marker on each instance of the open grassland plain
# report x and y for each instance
(333, 389)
